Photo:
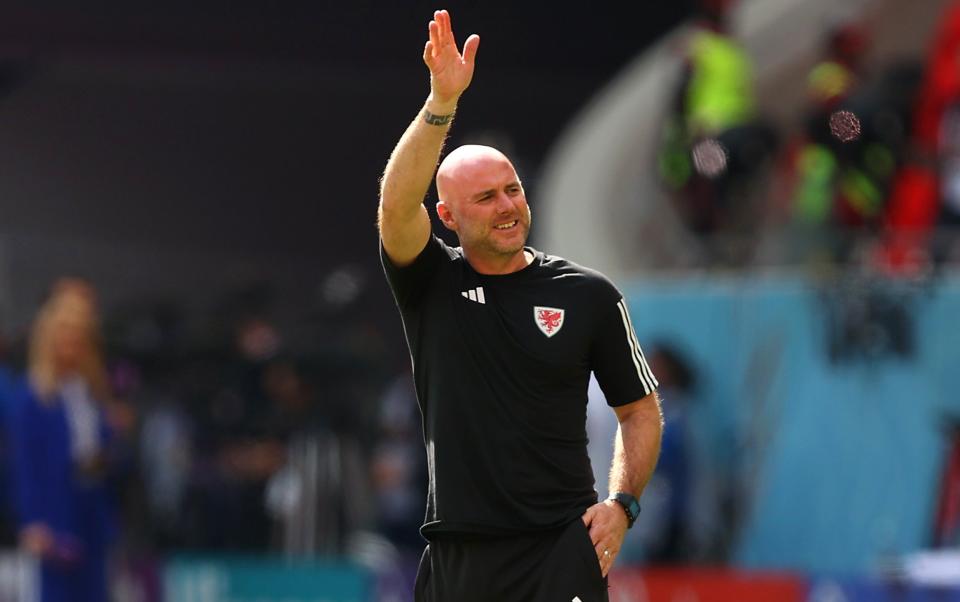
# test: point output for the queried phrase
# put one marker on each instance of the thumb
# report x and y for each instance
(587, 517)
(470, 49)
(428, 52)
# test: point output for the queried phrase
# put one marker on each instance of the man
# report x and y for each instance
(503, 340)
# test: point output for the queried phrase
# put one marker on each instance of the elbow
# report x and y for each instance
(386, 215)
(387, 209)
(645, 413)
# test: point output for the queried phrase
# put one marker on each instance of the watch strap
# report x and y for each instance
(630, 505)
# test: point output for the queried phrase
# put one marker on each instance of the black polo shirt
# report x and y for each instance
(501, 366)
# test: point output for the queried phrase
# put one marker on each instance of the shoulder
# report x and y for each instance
(25, 394)
(593, 281)
(434, 251)
(24, 403)
(442, 259)
(7, 388)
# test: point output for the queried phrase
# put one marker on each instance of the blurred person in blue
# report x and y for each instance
(7, 382)
(61, 444)
(667, 501)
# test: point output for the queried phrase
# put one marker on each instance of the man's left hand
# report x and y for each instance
(607, 524)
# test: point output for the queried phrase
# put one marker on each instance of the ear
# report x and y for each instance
(446, 216)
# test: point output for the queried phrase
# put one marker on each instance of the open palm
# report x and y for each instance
(450, 72)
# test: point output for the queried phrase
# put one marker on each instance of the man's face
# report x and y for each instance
(486, 207)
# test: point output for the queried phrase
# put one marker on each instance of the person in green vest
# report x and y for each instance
(714, 141)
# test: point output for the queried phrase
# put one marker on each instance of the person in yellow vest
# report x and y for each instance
(714, 141)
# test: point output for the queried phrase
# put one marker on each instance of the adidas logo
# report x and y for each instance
(475, 294)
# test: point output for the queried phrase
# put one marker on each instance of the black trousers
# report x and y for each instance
(559, 565)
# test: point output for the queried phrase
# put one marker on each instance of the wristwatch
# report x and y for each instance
(629, 504)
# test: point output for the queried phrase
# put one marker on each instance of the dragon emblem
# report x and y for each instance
(549, 319)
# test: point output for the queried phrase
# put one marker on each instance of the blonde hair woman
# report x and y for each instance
(65, 341)
(61, 448)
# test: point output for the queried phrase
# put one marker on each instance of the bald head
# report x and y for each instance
(482, 200)
(469, 168)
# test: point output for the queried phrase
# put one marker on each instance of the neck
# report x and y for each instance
(499, 265)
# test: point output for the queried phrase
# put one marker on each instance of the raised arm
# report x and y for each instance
(402, 218)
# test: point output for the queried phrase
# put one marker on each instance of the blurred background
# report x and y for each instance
(187, 205)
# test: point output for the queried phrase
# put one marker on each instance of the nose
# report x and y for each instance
(504, 204)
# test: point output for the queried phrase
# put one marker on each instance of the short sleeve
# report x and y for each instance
(617, 360)
(409, 282)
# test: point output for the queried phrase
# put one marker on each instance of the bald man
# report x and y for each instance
(503, 339)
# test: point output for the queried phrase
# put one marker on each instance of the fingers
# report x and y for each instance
(606, 555)
(441, 24)
(470, 49)
(428, 52)
(605, 533)
(434, 29)
(447, 25)
(606, 558)
(441, 35)
(587, 517)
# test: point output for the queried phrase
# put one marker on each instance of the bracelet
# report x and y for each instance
(437, 119)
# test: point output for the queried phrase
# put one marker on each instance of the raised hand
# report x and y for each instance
(450, 72)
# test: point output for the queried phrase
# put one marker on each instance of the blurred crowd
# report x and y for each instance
(133, 432)
(120, 435)
(867, 173)
(127, 435)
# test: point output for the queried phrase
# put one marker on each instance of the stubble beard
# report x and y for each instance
(491, 245)
(486, 242)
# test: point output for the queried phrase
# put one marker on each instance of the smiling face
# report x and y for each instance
(482, 200)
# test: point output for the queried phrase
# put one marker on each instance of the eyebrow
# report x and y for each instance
(489, 190)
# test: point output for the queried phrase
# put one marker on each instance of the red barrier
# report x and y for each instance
(704, 585)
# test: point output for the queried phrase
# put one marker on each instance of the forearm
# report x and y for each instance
(410, 169)
(403, 220)
(636, 448)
